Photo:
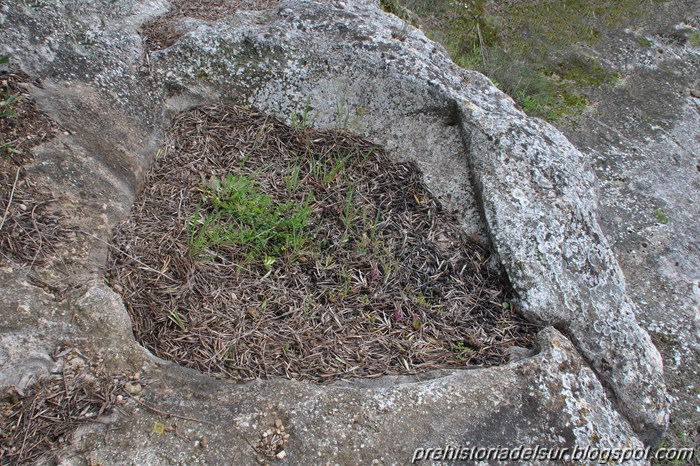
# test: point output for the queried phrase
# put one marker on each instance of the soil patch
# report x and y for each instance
(259, 250)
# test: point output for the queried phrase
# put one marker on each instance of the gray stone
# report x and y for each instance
(31, 324)
(643, 139)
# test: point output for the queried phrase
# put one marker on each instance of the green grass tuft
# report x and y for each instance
(234, 215)
(661, 217)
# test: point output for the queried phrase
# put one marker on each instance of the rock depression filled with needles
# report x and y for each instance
(258, 249)
(162, 31)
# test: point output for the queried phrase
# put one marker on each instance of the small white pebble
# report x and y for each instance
(281, 455)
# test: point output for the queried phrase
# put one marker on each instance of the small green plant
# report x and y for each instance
(291, 181)
(176, 319)
(421, 300)
(325, 168)
(644, 42)
(694, 39)
(6, 110)
(338, 165)
(306, 306)
(388, 264)
(303, 119)
(370, 225)
(416, 324)
(365, 155)
(545, 98)
(257, 144)
(6, 147)
(268, 262)
(327, 261)
(463, 352)
(346, 279)
(584, 71)
(234, 215)
(660, 216)
(348, 212)
(342, 115)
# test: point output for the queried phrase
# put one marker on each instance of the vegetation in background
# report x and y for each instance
(518, 45)
(395, 7)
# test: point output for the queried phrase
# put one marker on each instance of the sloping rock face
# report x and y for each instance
(516, 183)
(644, 142)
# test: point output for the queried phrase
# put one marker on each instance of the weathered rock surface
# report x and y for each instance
(643, 139)
(551, 399)
(514, 181)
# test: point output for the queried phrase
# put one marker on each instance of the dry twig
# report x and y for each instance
(167, 414)
(9, 201)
